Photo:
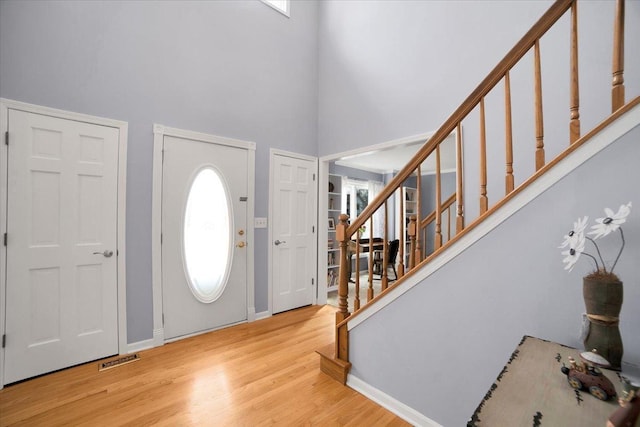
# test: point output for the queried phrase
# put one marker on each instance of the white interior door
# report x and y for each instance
(61, 288)
(204, 230)
(293, 222)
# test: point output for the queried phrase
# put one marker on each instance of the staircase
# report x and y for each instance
(473, 232)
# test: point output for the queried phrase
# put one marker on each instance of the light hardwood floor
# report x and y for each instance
(260, 373)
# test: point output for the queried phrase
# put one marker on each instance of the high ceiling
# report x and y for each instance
(393, 159)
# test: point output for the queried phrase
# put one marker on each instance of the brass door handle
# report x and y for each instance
(241, 244)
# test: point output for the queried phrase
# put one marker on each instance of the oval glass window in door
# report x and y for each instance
(207, 236)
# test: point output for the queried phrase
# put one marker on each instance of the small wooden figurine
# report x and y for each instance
(588, 376)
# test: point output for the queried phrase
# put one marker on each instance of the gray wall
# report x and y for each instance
(470, 315)
(232, 68)
(389, 69)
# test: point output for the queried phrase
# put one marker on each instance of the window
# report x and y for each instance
(281, 6)
(207, 236)
(355, 198)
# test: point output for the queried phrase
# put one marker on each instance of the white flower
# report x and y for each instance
(573, 235)
(572, 255)
(611, 222)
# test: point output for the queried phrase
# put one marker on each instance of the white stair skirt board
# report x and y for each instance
(597, 143)
(400, 409)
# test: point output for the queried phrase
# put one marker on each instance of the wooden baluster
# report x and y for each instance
(401, 237)
(412, 241)
(418, 248)
(343, 285)
(509, 180)
(484, 201)
(574, 123)
(370, 263)
(538, 106)
(356, 298)
(438, 237)
(448, 223)
(459, 195)
(617, 91)
(385, 252)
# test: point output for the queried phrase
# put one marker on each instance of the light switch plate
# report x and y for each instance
(260, 222)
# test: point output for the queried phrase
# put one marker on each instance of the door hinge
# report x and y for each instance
(312, 281)
(4, 340)
(160, 238)
(5, 239)
(162, 319)
(314, 176)
(243, 198)
(313, 228)
(6, 138)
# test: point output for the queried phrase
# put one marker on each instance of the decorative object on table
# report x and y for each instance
(628, 414)
(587, 376)
(602, 289)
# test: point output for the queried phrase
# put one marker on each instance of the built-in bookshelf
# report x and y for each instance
(410, 207)
(333, 214)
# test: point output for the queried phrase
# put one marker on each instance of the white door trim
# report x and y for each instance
(5, 106)
(272, 153)
(159, 132)
(323, 171)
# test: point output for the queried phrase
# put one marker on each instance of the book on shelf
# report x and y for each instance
(332, 279)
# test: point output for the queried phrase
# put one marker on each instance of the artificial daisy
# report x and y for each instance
(573, 235)
(576, 238)
(611, 222)
(572, 255)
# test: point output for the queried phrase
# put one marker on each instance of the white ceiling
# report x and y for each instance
(392, 159)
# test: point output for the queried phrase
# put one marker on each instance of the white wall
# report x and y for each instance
(469, 316)
(232, 68)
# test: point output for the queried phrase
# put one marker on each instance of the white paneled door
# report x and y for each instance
(293, 224)
(204, 236)
(61, 292)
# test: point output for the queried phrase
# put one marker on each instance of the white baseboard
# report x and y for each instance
(408, 414)
(156, 341)
(263, 315)
(140, 345)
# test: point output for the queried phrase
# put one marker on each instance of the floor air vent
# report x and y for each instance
(119, 361)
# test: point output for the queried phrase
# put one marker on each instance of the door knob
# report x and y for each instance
(278, 242)
(240, 244)
(107, 253)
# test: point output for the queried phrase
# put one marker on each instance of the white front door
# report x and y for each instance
(61, 286)
(204, 236)
(293, 222)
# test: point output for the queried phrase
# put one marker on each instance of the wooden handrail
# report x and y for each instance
(573, 147)
(550, 17)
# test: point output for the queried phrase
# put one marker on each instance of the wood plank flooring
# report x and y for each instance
(254, 374)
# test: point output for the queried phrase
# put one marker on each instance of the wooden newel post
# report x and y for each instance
(412, 241)
(343, 286)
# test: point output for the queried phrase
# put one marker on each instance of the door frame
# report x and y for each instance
(323, 195)
(5, 106)
(272, 214)
(159, 132)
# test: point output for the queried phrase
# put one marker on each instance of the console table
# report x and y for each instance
(532, 391)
